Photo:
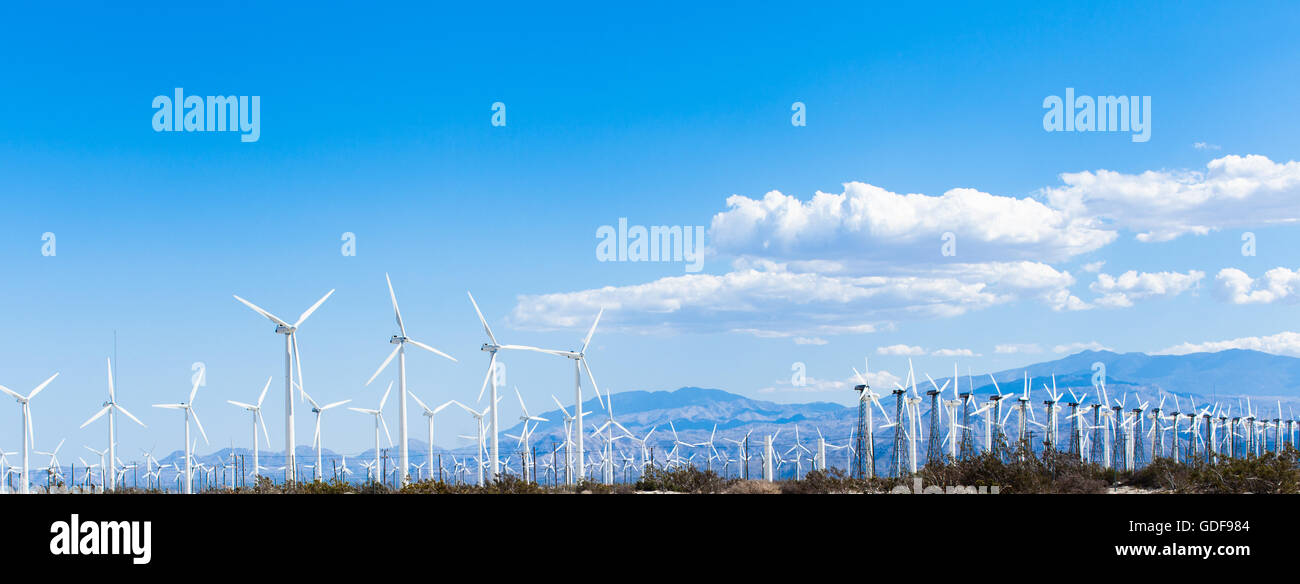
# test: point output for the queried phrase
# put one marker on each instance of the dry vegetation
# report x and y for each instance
(1012, 472)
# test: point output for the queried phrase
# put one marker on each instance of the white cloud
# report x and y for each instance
(1072, 348)
(868, 222)
(1205, 146)
(1234, 191)
(954, 353)
(1012, 348)
(770, 300)
(1284, 343)
(1277, 284)
(809, 341)
(882, 378)
(900, 350)
(1094, 267)
(1122, 290)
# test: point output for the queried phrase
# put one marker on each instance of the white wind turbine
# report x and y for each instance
(478, 418)
(188, 407)
(491, 347)
(399, 351)
(316, 439)
(290, 332)
(378, 413)
(568, 439)
(29, 435)
(111, 407)
(525, 433)
(103, 477)
(430, 413)
(257, 420)
(52, 468)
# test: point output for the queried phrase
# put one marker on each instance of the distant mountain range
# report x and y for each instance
(1226, 377)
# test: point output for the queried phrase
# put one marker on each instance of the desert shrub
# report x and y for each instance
(748, 487)
(1272, 472)
(681, 480)
(1018, 470)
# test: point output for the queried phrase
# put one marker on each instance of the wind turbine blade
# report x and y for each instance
(492, 365)
(264, 388)
(273, 318)
(312, 309)
(383, 365)
(385, 398)
(486, 328)
(335, 404)
(41, 386)
(96, 416)
(560, 405)
(417, 400)
(129, 415)
(195, 391)
(396, 311)
(112, 394)
(315, 440)
(264, 432)
(430, 349)
(200, 425)
(385, 425)
(241, 404)
(592, 330)
(593, 382)
(10, 392)
(537, 350)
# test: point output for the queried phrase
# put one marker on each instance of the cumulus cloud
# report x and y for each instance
(773, 301)
(1094, 267)
(1121, 291)
(1284, 343)
(868, 222)
(1277, 284)
(882, 378)
(900, 350)
(1233, 191)
(1013, 348)
(954, 353)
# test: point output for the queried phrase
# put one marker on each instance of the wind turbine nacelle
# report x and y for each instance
(397, 339)
(284, 330)
(488, 347)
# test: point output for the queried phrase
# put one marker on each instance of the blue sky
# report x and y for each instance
(376, 122)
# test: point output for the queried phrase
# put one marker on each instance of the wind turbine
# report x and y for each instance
(491, 347)
(399, 351)
(378, 413)
(316, 441)
(525, 434)
(188, 407)
(29, 436)
(430, 413)
(111, 407)
(103, 478)
(568, 439)
(478, 418)
(52, 468)
(290, 332)
(257, 419)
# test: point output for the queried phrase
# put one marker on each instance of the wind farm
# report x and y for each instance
(1119, 433)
